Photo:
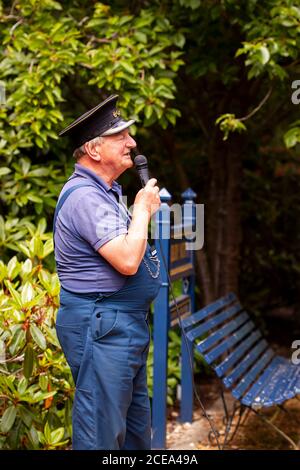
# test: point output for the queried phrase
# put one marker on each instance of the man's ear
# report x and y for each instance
(91, 149)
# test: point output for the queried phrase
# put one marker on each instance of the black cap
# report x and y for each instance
(104, 119)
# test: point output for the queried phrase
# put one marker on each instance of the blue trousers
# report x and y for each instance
(106, 343)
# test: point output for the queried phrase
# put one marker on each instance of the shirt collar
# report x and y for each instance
(91, 175)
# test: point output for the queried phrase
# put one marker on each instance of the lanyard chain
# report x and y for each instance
(154, 276)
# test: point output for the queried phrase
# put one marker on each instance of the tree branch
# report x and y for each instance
(255, 110)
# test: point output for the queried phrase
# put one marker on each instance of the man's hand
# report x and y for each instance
(148, 198)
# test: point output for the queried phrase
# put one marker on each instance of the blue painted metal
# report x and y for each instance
(277, 395)
(233, 357)
(187, 350)
(274, 391)
(248, 360)
(161, 327)
(229, 342)
(250, 377)
(253, 394)
(289, 392)
(162, 317)
(225, 330)
(212, 323)
(188, 195)
(212, 308)
(264, 395)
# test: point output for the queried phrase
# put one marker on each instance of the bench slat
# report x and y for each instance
(233, 357)
(229, 342)
(248, 360)
(293, 389)
(278, 395)
(270, 384)
(225, 330)
(213, 322)
(211, 308)
(252, 374)
(274, 390)
(252, 395)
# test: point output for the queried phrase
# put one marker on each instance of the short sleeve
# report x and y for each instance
(98, 220)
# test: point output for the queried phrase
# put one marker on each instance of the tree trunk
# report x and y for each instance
(223, 218)
(217, 263)
(203, 277)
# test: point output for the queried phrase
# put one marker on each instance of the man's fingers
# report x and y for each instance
(152, 182)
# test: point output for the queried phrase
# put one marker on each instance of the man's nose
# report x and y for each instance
(131, 143)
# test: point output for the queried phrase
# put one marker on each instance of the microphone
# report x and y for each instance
(141, 165)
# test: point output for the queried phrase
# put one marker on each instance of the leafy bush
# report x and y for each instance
(36, 386)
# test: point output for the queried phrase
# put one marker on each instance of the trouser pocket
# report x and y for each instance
(103, 322)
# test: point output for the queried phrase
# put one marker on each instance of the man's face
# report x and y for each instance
(115, 151)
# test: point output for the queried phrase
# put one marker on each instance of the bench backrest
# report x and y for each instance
(229, 341)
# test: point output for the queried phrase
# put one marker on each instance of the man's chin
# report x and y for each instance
(129, 162)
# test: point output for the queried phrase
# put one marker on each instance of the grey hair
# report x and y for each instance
(80, 151)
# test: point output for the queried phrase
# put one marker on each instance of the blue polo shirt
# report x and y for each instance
(89, 218)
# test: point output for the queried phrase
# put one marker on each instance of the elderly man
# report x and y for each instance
(108, 279)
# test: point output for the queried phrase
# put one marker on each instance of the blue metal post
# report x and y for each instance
(161, 326)
(187, 353)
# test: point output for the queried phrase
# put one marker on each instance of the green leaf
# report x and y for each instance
(179, 40)
(128, 67)
(57, 435)
(25, 165)
(148, 111)
(41, 437)
(40, 396)
(38, 336)
(141, 37)
(18, 341)
(292, 137)
(34, 198)
(36, 246)
(33, 437)
(13, 268)
(48, 247)
(26, 267)
(4, 171)
(26, 415)
(2, 229)
(42, 225)
(22, 386)
(43, 382)
(24, 248)
(8, 418)
(28, 361)
(27, 293)
(264, 55)
(45, 278)
(47, 433)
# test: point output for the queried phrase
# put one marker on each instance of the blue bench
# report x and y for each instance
(230, 343)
